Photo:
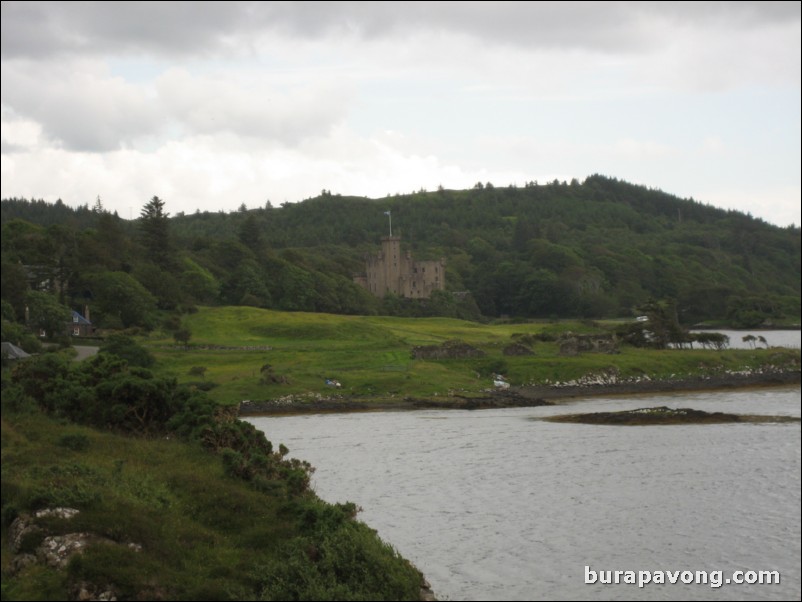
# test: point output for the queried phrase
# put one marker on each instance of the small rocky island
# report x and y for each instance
(665, 415)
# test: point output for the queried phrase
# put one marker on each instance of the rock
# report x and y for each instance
(517, 349)
(21, 562)
(569, 347)
(57, 550)
(426, 592)
(59, 512)
(89, 591)
(573, 344)
(20, 529)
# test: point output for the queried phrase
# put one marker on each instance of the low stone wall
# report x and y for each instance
(448, 350)
(587, 343)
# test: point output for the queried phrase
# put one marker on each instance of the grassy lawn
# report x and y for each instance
(370, 355)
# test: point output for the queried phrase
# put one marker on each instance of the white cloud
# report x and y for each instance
(78, 105)
(240, 102)
(18, 133)
(776, 204)
(252, 108)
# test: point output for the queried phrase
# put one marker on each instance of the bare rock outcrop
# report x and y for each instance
(32, 544)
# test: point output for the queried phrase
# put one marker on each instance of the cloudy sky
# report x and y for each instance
(211, 105)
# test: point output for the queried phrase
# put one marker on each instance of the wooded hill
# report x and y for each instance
(600, 248)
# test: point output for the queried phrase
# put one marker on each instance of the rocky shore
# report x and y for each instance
(525, 396)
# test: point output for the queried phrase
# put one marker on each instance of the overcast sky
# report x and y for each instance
(211, 105)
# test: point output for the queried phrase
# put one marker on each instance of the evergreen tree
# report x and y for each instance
(155, 229)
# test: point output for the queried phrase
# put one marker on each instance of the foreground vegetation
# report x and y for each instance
(248, 353)
(176, 500)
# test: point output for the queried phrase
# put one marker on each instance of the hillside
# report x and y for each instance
(596, 249)
(118, 484)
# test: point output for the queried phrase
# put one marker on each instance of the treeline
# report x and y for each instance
(594, 249)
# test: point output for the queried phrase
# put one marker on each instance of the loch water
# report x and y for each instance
(499, 505)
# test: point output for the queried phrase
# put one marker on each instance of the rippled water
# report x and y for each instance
(495, 505)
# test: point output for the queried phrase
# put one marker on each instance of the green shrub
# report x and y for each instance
(10, 512)
(488, 368)
(204, 385)
(74, 441)
(350, 563)
(131, 572)
(125, 347)
(72, 485)
(15, 400)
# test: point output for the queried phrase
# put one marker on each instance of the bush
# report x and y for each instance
(345, 563)
(203, 385)
(74, 441)
(72, 485)
(489, 368)
(125, 347)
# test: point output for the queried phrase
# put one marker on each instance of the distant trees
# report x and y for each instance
(592, 249)
(660, 329)
(714, 340)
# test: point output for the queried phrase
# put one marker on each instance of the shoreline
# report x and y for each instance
(519, 397)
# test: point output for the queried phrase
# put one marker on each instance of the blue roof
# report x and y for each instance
(79, 319)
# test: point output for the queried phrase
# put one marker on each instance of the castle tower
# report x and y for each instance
(391, 252)
(390, 271)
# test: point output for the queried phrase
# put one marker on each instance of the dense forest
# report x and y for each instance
(601, 248)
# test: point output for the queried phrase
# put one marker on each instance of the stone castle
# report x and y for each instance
(391, 272)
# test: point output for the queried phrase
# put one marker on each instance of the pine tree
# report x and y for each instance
(155, 230)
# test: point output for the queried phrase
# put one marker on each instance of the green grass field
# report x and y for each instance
(371, 355)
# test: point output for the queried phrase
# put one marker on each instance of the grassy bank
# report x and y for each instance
(121, 484)
(168, 521)
(371, 356)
